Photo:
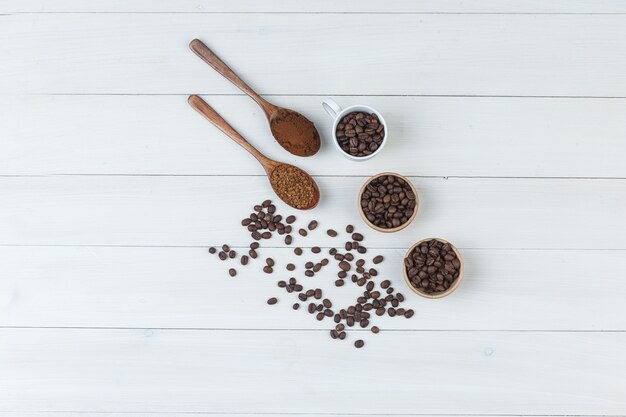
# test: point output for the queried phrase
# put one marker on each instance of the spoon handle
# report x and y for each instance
(218, 121)
(220, 66)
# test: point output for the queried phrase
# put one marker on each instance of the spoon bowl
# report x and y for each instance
(294, 132)
(291, 184)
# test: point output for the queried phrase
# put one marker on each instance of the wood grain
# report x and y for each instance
(434, 136)
(187, 371)
(521, 290)
(199, 211)
(510, 55)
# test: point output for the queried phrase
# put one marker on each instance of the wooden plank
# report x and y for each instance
(245, 372)
(438, 136)
(184, 211)
(529, 55)
(320, 6)
(187, 288)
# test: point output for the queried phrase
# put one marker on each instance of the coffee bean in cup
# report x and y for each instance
(388, 201)
(360, 134)
(432, 267)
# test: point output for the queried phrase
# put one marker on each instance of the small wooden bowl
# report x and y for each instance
(442, 294)
(393, 229)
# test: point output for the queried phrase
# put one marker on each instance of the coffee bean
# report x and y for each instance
(225, 248)
(269, 261)
(400, 311)
(272, 301)
(288, 240)
(327, 303)
(373, 272)
(350, 321)
(290, 219)
(380, 311)
(316, 249)
(324, 262)
(318, 294)
(266, 203)
(370, 286)
(244, 260)
(337, 318)
(332, 251)
(329, 313)
(400, 297)
(364, 323)
(232, 254)
(296, 306)
(317, 267)
(344, 265)
(342, 335)
(290, 267)
(311, 308)
(312, 225)
(232, 272)
(349, 228)
(282, 284)
(390, 290)
(266, 235)
(254, 245)
(409, 313)
(361, 249)
(349, 257)
(334, 334)
(212, 250)
(388, 201)
(385, 284)
(339, 327)
(375, 329)
(331, 233)
(339, 283)
(268, 269)
(391, 311)
(359, 344)
(297, 251)
(357, 236)
(302, 297)
(308, 265)
(256, 235)
(342, 274)
(320, 316)
(309, 273)
(222, 255)
(302, 232)
(378, 259)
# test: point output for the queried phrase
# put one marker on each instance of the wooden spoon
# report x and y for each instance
(291, 184)
(292, 131)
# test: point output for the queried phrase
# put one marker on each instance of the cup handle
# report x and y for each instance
(331, 107)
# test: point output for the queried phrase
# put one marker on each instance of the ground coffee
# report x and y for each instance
(295, 132)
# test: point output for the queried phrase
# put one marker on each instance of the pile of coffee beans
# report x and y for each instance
(388, 201)
(377, 299)
(432, 266)
(360, 134)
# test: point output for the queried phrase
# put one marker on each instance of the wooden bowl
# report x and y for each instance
(442, 294)
(393, 229)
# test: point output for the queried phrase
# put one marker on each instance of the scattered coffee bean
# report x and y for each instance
(290, 219)
(344, 265)
(309, 265)
(309, 273)
(244, 260)
(312, 225)
(316, 249)
(269, 262)
(232, 272)
(268, 269)
(254, 245)
(324, 262)
(252, 253)
(212, 250)
(272, 301)
(225, 248)
(232, 254)
(327, 303)
(359, 344)
(312, 308)
(375, 329)
(385, 284)
(318, 294)
(222, 255)
(342, 335)
(409, 313)
(288, 240)
(339, 283)
(282, 284)
(357, 236)
(329, 232)
(302, 232)
(388, 201)
(291, 267)
(296, 306)
(297, 251)
(378, 259)
(320, 316)
(349, 228)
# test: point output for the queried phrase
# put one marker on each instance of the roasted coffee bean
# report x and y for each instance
(225, 248)
(357, 237)
(361, 249)
(272, 301)
(312, 225)
(282, 284)
(212, 250)
(290, 267)
(266, 235)
(327, 303)
(254, 245)
(400, 297)
(390, 290)
(339, 283)
(232, 254)
(310, 293)
(312, 308)
(339, 327)
(288, 240)
(360, 134)
(256, 235)
(400, 311)
(385, 284)
(375, 329)
(344, 265)
(297, 287)
(318, 294)
(309, 273)
(269, 262)
(370, 286)
(309, 265)
(302, 297)
(349, 257)
(350, 321)
(380, 311)
(342, 335)
(232, 272)
(267, 269)
(222, 255)
(360, 262)
(342, 274)
(296, 306)
(266, 203)
(292, 281)
(409, 313)
(324, 262)
(316, 249)
(351, 310)
(332, 251)
(331, 233)
(348, 246)
(349, 228)
(290, 219)
(395, 302)
(297, 251)
(391, 311)
(339, 257)
(303, 232)
(320, 316)
(337, 318)
(329, 313)
(317, 267)
(378, 259)
(320, 307)
(244, 260)
(364, 323)
(334, 334)
(359, 344)
(388, 201)
(373, 272)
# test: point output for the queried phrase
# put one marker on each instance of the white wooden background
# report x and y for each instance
(509, 116)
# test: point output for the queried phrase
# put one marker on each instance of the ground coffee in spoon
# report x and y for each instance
(293, 186)
(295, 132)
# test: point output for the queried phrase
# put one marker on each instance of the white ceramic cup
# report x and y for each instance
(337, 113)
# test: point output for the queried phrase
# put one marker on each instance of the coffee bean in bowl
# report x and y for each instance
(388, 202)
(433, 268)
(360, 133)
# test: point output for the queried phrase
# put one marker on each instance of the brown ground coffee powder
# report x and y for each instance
(293, 186)
(295, 132)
